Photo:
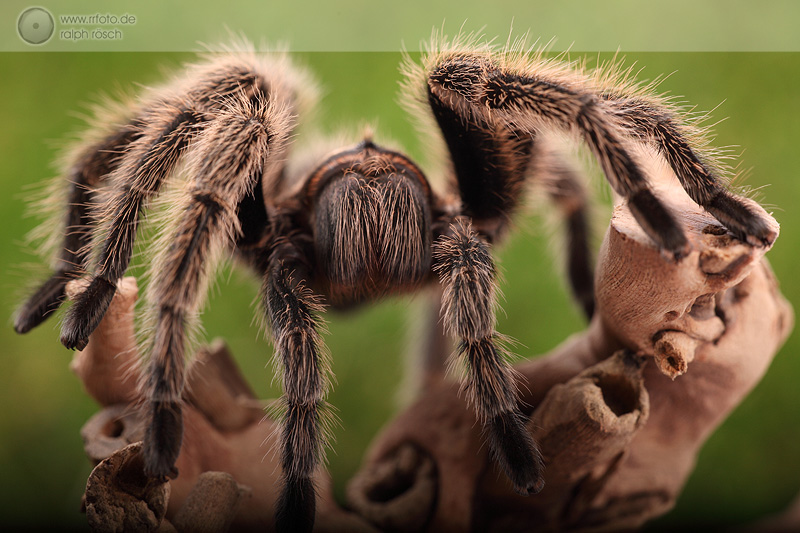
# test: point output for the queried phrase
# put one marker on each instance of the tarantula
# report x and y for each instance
(359, 223)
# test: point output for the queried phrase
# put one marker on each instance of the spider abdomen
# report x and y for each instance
(372, 227)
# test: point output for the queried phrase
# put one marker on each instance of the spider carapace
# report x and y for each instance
(360, 223)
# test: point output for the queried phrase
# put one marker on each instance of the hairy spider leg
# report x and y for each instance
(659, 125)
(491, 164)
(565, 189)
(246, 139)
(479, 87)
(90, 168)
(293, 312)
(467, 275)
(138, 177)
(172, 123)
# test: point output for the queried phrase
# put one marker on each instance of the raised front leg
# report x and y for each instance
(486, 101)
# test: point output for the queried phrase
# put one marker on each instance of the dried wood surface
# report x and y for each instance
(620, 410)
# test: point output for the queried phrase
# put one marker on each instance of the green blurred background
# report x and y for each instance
(749, 468)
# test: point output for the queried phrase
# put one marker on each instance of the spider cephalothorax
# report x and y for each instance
(359, 223)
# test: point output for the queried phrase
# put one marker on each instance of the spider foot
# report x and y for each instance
(744, 218)
(162, 440)
(659, 224)
(86, 313)
(296, 506)
(515, 450)
(43, 303)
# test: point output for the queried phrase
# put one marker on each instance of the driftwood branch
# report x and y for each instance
(620, 410)
(620, 434)
(226, 431)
